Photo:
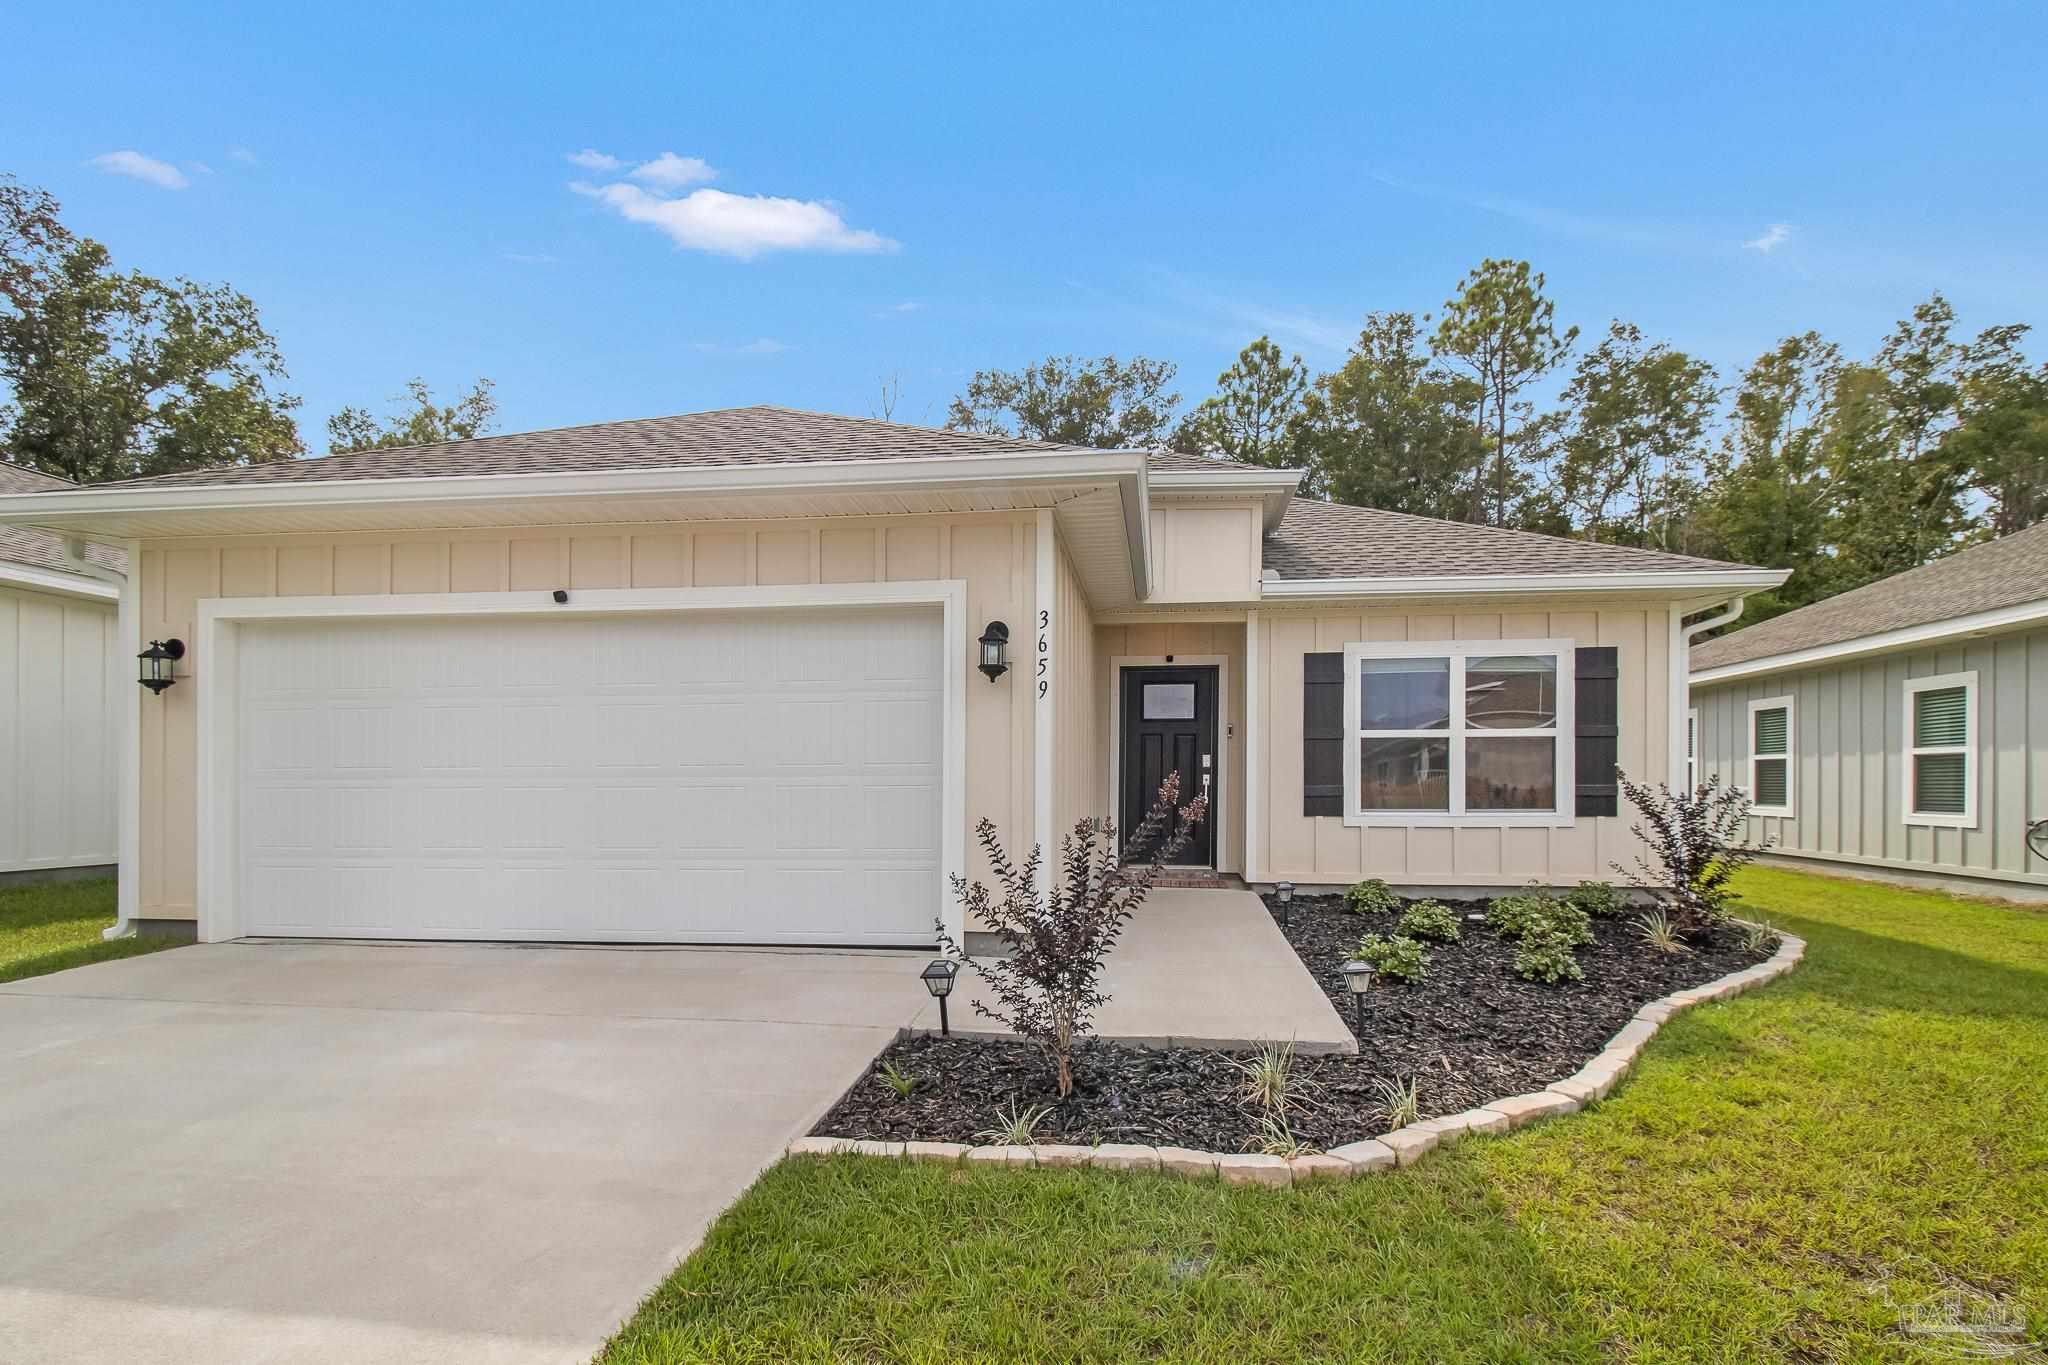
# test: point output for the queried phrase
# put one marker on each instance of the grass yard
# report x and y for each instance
(54, 925)
(1781, 1174)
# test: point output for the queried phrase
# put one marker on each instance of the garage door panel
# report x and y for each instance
(647, 778)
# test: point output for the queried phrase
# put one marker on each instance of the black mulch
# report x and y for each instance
(1472, 1032)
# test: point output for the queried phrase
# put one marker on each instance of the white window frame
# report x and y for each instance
(1692, 750)
(1457, 651)
(1914, 687)
(1783, 812)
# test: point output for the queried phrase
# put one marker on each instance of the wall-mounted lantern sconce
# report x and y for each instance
(938, 979)
(995, 650)
(157, 661)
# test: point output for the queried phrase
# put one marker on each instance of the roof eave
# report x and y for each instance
(1884, 642)
(1273, 487)
(1687, 583)
(31, 578)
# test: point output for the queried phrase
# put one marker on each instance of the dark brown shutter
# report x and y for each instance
(1597, 702)
(1322, 734)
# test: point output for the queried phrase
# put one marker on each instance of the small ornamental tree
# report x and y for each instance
(1045, 988)
(1696, 843)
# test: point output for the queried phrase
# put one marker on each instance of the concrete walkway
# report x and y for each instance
(368, 1154)
(1200, 968)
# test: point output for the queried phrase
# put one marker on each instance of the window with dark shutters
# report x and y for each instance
(1322, 734)
(1597, 734)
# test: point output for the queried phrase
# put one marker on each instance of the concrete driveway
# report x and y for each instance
(362, 1153)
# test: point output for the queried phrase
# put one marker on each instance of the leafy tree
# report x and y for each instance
(419, 424)
(2003, 437)
(1388, 428)
(1767, 499)
(1634, 441)
(113, 376)
(1251, 418)
(1501, 328)
(1107, 403)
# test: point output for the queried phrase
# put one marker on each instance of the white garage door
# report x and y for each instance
(708, 777)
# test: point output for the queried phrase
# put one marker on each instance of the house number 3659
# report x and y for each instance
(1044, 653)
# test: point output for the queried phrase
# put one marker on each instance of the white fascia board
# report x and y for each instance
(1455, 585)
(1274, 487)
(51, 581)
(77, 508)
(1908, 637)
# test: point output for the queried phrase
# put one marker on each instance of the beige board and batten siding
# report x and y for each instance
(1159, 640)
(1324, 850)
(1077, 721)
(59, 732)
(1205, 551)
(994, 553)
(1848, 757)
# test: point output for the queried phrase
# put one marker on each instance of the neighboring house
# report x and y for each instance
(59, 723)
(716, 678)
(1900, 729)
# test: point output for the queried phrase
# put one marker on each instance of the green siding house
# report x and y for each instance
(1899, 730)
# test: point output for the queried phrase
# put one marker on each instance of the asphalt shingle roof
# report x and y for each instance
(730, 436)
(2000, 573)
(40, 549)
(1336, 540)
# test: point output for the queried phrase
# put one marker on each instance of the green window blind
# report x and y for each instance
(1941, 717)
(1940, 783)
(1769, 781)
(1771, 727)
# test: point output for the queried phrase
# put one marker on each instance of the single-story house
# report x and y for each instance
(59, 717)
(753, 675)
(1889, 731)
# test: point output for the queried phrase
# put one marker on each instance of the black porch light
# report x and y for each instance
(157, 661)
(938, 979)
(995, 650)
(1358, 977)
(1283, 892)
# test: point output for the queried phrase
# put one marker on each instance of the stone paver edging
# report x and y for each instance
(1402, 1147)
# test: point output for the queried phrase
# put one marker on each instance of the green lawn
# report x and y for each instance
(54, 925)
(1781, 1171)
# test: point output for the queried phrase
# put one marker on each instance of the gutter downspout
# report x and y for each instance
(127, 887)
(1682, 637)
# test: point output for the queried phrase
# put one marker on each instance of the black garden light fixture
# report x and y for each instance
(1357, 976)
(1284, 893)
(938, 979)
(995, 650)
(157, 661)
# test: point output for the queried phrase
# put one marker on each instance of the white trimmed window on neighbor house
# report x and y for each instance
(1770, 756)
(1941, 742)
(1459, 732)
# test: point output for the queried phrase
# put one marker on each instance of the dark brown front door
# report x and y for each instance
(1169, 725)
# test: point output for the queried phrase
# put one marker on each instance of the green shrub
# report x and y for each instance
(1545, 954)
(1400, 956)
(1598, 899)
(1371, 897)
(1430, 919)
(1517, 917)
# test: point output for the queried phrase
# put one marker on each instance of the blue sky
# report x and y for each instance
(960, 189)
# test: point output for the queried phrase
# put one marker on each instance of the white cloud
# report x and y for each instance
(198, 168)
(897, 310)
(738, 225)
(671, 172)
(243, 155)
(144, 168)
(1774, 236)
(590, 159)
(758, 346)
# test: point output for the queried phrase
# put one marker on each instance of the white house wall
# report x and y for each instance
(58, 732)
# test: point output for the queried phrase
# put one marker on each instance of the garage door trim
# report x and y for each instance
(213, 667)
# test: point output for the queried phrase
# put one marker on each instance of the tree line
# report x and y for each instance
(1490, 411)
(1841, 470)
(108, 374)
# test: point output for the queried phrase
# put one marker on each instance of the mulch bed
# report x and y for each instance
(1473, 1031)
